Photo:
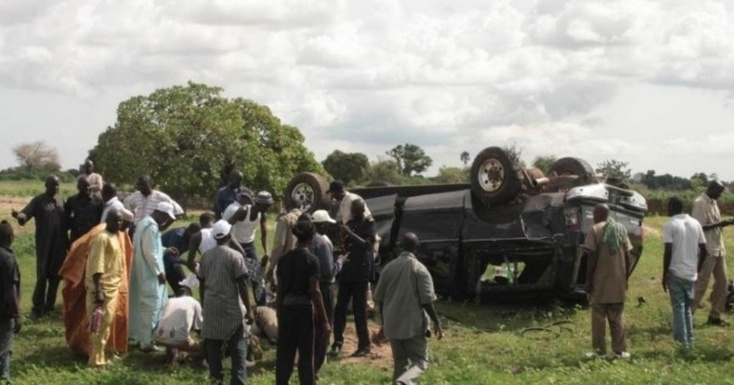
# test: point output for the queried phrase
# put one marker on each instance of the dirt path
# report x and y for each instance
(380, 355)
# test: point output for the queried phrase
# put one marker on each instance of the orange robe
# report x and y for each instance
(74, 294)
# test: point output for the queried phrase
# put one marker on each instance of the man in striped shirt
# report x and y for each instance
(223, 274)
(144, 201)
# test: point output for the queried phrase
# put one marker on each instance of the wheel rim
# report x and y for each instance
(491, 175)
(303, 196)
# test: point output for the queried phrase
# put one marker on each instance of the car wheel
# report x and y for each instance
(307, 191)
(495, 178)
(574, 166)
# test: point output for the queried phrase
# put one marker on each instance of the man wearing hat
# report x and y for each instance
(245, 219)
(223, 275)
(148, 280)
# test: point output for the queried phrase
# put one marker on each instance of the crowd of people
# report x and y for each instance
(118, 257)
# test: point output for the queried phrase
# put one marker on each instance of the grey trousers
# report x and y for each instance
(410, 357)
(614, 314)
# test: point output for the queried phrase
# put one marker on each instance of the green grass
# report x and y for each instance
(484, 343)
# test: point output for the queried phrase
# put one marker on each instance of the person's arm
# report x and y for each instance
(194, 243)
(242, 288)
(27, 213)
(149, 253)
(318, 300)
(10, 285)
(279, 245)
(68, 218)
(667, 258)
(264, 236)
(98, 293)
(589, 250)
(434, 318)
(702, 254)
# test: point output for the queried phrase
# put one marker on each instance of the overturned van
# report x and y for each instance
(509, 232)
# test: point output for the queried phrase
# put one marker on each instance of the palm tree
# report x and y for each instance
(465, 158)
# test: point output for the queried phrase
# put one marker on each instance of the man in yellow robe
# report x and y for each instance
(74, 293)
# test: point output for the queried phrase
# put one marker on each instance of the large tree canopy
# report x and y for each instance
(411, 158)
(189, 137)
(347, 167)
(37, 157)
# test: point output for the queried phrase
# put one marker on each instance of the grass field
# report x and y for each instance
(483, 344)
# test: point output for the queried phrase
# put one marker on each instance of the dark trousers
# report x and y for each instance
(47, 284)
(237, 346)
(295, 333)
(357, 292)
(322, 339)
(174, 274)
(258, 286)
(6, 347)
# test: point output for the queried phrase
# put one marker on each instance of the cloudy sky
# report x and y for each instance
(646, 82)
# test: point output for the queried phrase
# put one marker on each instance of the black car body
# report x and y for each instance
(527, 246)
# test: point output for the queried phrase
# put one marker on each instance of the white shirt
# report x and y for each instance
(345, 207)
(685, 234)
(141, 205)
(207, 241)
(113, 203)
(242, 231)
(180, 315)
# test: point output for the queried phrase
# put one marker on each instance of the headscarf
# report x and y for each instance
(613, 234)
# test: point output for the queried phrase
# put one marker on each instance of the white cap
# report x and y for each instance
(221, 229)
(167, 208)
(321, 216)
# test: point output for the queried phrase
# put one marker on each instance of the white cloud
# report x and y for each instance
(374, 74)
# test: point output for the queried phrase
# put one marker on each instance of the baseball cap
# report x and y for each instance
(221, 229)
(321, 216)
(264, 198)
(335, 187)
(167, 208)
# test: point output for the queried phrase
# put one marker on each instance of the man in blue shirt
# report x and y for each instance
(178, 238)
(228, 194)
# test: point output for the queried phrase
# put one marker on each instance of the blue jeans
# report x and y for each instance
(681, 298)
(237, 347)
(6, 346)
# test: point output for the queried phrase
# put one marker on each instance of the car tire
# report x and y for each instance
(308, 192)
(574, 166)
(495, 178)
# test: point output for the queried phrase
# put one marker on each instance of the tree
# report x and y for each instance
(614, 169)
(347, 167)
(410, 158)
(544, 162)
(189, 137)
(465, 158)
(384, 170)
(37, 157)
(452, 175)
(515, 154)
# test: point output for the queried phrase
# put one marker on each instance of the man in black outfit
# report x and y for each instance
(299, 296)
(359, 237)
(83, 211)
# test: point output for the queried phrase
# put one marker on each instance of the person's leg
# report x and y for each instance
(417, 349)
(399, 358)
(306, 324)
(321, 339)
(148, 304)
(258, 284)
(598, 328)
(238, 350)
(359, 306)
(285, 354)
(39, 291)
(688, 289)
(214, 360)
(340, 313)
(55, 261)
(719, 291)
(615, 313)
(6, 347)
(678, 304)
(98, 340)
(702, 282)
